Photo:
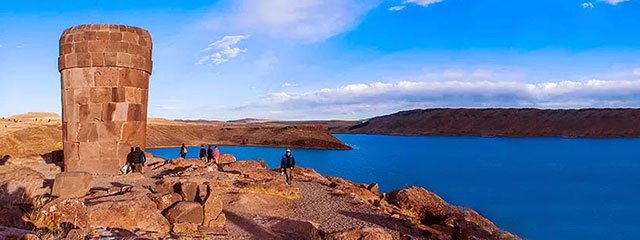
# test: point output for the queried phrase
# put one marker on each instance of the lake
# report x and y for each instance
(537, 188)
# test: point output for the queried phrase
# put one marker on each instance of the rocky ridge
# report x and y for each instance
(184, 199)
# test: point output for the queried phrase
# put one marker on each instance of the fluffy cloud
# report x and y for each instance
(223, 50)
(397, 8)
(425, 3)
(359, 100)
(310, 20)
(614, 2)
(587, 5)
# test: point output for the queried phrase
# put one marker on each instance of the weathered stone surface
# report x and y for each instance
(374, 188)
(213, 215)
(76, 234)
(189, 190)
(105, 78)
(361, 234)
(163, 201)
(226, 158)
(128, 210)
(428, 206)
(29, 236)
(297, 229)
(185, 212)
(71, 212)
(19, 188)
(71, 184)
(185, 227)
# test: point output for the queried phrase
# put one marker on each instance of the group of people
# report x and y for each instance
(206, 155)
(135, 160)
(287, 162)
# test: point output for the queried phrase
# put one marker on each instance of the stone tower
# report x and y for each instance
(105, 73)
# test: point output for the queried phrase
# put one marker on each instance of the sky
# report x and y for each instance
(342, 59)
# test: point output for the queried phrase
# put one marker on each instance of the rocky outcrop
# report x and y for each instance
(226, 159)
(19, 190)
(130, 210)
(429, 207)
(591, 123)
(71, 184)
(361, 234)
(185, 212)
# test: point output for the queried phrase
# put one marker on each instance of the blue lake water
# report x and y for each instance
(538, 188)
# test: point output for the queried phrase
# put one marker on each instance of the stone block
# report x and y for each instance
(106, 77)
(71, 184)
(87, 132)
(101, 95)
(121, 112)
(185, 212)
(110, 58)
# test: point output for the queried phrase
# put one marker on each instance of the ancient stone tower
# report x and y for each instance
(105, 73)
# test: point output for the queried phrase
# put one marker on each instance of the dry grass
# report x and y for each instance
(286, 193)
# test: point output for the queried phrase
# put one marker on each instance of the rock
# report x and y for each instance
(30, 236)
(361, 234)
(19, 189)
(255, 170)
(374, 188)
(427, 206)
(189, 190)
(163, 201)
(129, 210)
(71, 184)
(309, 175)
(62, 213)
(187, 163)
(213, 215)
(296, 229)
(185, 212)
(185, 228)
(226, 158)
(76, 234)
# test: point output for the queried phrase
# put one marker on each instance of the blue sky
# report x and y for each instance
(342, 59)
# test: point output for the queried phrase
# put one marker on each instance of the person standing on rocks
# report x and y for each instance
(287, 164)
(139, 160)
(209, 153)
(216, 154)
(203, 153)
(183, 151)
(130, 160)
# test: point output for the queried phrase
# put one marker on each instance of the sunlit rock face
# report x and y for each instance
(105, 73)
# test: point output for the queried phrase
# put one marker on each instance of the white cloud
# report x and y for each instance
(614, 2)
(359, 100)
(309, 20)
(0, 45)
(397, 8)
(424, 3)
(587, 5)
(286, 84)
(223, 50)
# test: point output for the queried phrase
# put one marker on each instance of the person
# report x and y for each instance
(130, 160)
(138, 159)
(287, 165)
(203, 153)
(209, 153)
(216, 154)
(183, 151)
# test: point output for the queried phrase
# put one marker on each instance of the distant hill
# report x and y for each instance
(592, 123)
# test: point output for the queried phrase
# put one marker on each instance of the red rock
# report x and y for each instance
(213, 215)
(188, 190)
(185, 227)
(374, 188)
(429, 207)
(163, 201)
(30, 236)
(62, 211)
(185, 212)
(226, 158)
(361, 234)
(129, 210)
(71, 184)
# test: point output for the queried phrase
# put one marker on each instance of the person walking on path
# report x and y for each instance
(287, 165)
(203, 153)
(209, 153)
(138, 159)
(183, 151)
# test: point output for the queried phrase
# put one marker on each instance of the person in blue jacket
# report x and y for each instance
(287, 165)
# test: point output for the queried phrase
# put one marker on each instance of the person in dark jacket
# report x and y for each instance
(183, 151)
(209, 153)
(138, 159)
(130, 160)
(287, 165)
(203, 153)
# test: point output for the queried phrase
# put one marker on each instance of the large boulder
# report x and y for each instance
(71, 184)
(164, 201)
(185, 212)
(61, 213)
(296, 229)
(254, 170)
(361, 234)
(130, 210)
(213, 215)
(19, 189)
(427, 206)
(226, 159)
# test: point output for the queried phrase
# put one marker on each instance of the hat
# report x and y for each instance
(288, 150)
